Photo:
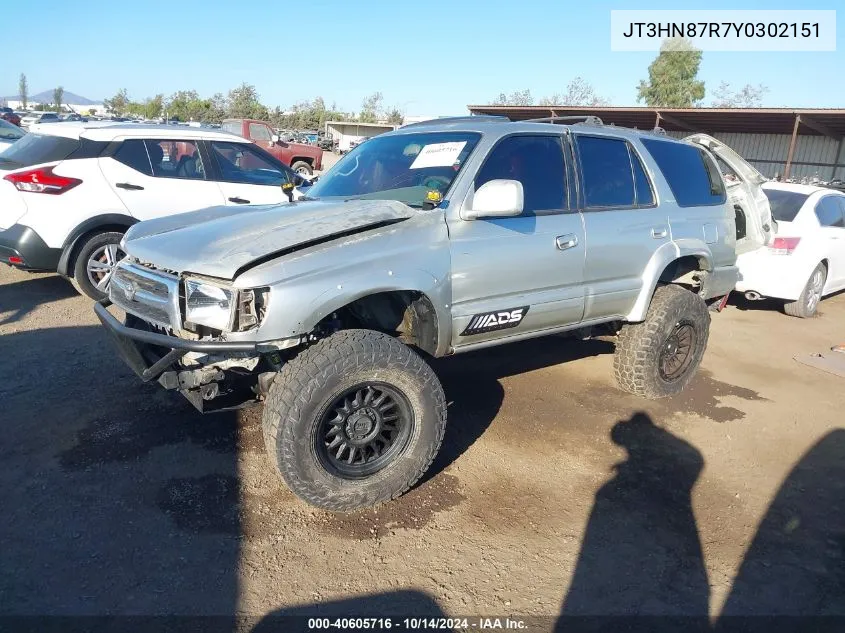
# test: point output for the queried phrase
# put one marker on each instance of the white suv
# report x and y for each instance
(69, 191)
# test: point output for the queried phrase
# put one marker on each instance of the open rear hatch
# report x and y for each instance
(754, 224)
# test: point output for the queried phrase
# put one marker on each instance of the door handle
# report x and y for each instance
(659, 233)
(564, 242)
(129, 186)
(238, 200)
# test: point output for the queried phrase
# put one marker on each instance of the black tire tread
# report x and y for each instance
(636, 343)
(308, 372)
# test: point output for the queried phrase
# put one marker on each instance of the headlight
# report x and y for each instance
(210, 305)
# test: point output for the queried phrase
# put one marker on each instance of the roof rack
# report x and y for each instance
(589, 119)
(475, 118)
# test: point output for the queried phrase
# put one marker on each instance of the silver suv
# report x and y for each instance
(436, 239)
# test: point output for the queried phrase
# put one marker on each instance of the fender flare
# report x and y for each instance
(91, 224)
(663, 257)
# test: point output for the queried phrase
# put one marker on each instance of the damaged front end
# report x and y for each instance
(176, 333)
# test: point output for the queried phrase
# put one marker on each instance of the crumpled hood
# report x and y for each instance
(220, 241)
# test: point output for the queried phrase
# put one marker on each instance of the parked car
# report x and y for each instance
(303, 159)
(9, 134)
(806, 259)
(440, 237)
(68, 192)
(37, 116)
(74, 117)
(11, 117)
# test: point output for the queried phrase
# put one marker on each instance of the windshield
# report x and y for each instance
(9, 132)
(785, 204)
(405, 167)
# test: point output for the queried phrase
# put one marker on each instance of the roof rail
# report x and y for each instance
(475, 118)
(589, 119)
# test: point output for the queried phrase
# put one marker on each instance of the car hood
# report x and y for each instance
(224, 241)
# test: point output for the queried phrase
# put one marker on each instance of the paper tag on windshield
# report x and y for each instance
(438, 155)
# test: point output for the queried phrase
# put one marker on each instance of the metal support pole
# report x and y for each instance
(657, 120)
(791, 147)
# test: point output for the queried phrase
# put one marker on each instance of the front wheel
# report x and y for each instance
(95, 262)
(354, 420)
(808, 303)
(659, 357)
(302, 168)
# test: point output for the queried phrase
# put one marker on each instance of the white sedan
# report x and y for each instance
(805, 259)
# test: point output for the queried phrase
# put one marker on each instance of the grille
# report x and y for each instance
(150, 295)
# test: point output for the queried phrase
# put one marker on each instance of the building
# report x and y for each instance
(98, 108)
(345, 132)
(794, 143)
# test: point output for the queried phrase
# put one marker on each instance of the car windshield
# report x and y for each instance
(9, 132)
(410, 168)
(785, 204)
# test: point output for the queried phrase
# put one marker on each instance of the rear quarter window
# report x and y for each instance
(692, 176)
(233, 127)
(34, 149)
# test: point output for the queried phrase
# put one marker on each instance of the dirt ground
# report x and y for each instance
(554, 493)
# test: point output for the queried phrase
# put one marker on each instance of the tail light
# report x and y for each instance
(42, 180)
(784, 245)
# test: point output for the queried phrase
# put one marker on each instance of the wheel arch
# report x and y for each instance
(408, 314)
(98, 224)
(669, 265)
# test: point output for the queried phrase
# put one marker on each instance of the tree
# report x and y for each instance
(23, 90)
(118, 103)
(395, 116)
(58, 96)
(154, 107)
(243, 103)
(579, 92)
(672, 75)
(748, 96)
(371, 108)
(517, 98)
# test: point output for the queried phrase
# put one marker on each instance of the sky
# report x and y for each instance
(427, 58)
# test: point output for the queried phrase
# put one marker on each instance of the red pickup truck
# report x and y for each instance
(303, 159)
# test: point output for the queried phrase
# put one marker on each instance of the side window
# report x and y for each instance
(536, 162)
(259, 132)
(606, 170)
(829, 212)
(175, 159)
(693, 177)
(242, 162)
(645, 194)
(133, 153)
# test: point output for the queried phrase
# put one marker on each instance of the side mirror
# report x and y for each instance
(274, 138)
(496, 199)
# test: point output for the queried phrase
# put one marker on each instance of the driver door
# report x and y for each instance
(520, 274)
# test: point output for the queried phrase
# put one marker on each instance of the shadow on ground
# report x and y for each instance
(117, 497)
(641, 554)
(22, 297)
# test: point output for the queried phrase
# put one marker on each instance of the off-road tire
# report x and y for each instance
(80, 261)
(301, 167)
(800, 308)
(636, 363)
(307, 384)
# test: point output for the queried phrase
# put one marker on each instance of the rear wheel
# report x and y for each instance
(302, 168)
(94, 264)
(658, 357)
(808, 302)
(354, 420)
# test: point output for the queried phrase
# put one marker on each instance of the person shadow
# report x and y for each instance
(795, 565)
(641, 554)
(641, 565)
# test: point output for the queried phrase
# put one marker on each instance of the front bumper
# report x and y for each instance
(129, 342)
(22, 242)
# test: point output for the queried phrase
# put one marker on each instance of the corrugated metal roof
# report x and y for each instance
(816, 121)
